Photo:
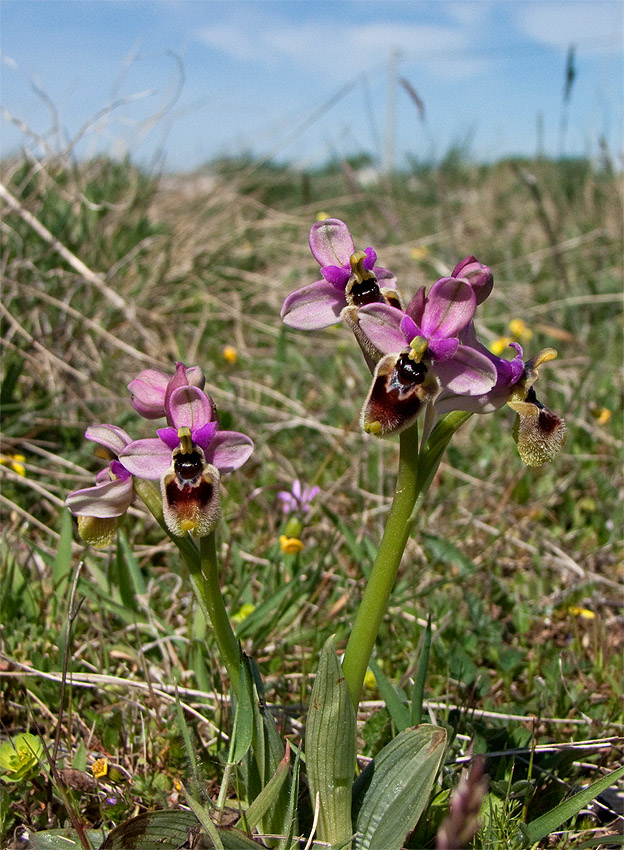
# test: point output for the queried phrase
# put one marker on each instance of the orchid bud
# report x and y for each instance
(479, 277)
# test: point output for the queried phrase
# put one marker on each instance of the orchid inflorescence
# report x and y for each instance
(187, 457)
(426, 358)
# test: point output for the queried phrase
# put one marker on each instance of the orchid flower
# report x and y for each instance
(151, 389)
(100, 509)
(421, 355)
(350, 278)
(188, 458)
(298, 498)
(539, 433)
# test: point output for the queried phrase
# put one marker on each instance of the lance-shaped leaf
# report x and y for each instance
(331, 749)
(169, 830)
(403, 774)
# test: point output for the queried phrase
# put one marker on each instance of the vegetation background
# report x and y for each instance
(107, 270)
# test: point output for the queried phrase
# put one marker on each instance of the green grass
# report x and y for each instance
(505, 559)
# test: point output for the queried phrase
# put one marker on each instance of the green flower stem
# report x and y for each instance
(377, 593)
(206, 584)
(204, 572)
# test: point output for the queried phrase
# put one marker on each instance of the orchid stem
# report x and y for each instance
(204, 572)
(207, 587)
(377, 592)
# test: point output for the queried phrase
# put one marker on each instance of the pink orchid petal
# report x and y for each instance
(147, 393)
(228, 450)
(189, 407)
(104, 500)
(331, 242)
(381, 323)
(337, 276)
(467, 373)
(450, 306)
(313, 307)
(443, 349)
(202, 436)
(170, 438)
(146, 458)
(416, 307)
(371, 258)
(385, 278)
(409, 329)
(111, 437)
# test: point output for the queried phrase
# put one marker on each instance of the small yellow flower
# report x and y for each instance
(520, 330)
(602, 415)
(290, 545)
(99, 768)
(230, 354)
(321, 216)
(243, 612)
(585, 613)
(419, 253)
(499, 345)
(16, 462)
(370, 681)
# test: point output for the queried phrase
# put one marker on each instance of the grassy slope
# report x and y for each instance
(206, 262)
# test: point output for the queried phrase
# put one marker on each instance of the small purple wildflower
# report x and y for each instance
(298, 499)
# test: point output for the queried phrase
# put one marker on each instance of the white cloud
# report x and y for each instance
(597, 24)
(344, 50)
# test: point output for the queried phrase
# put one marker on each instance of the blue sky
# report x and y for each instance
(302, 81)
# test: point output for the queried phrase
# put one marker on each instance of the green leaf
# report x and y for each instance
(331, 749)
(132, 565)
(169, 830)
(395, 703)
(59, 839)
(435, 447)
(400, 780)
(418, 691)
(544, 825)
(242, 732)
(269, 794)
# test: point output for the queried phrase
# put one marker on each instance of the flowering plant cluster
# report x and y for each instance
(427, 364)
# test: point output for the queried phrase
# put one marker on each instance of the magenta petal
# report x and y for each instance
(202, 436)
(146, 458)
(147, 393)
(170, 438)
(381, 323)
(189, 407)
(104, 500)
(313, 307)
(442, 349)
(409, 329)
(467, 373)
(112, 437)
(450, 306)
(336, 275)
(331, 242)
(371, 258)
(228, 450)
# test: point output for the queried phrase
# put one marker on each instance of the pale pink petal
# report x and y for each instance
(331, 242)
(313, 307)
(146, 458)
(105, 500)
(450, 306)
(112, 437)
(228, 450)
(381, 324)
